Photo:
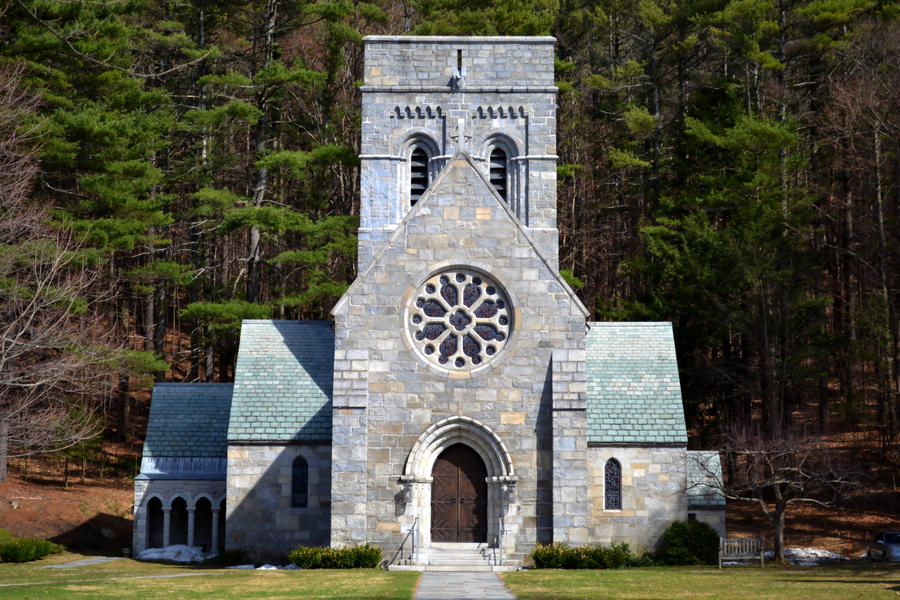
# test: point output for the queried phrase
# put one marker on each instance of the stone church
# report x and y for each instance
(459, 399)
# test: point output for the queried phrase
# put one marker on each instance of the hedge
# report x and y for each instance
(27, 549)
(353, 557)
(563, 556)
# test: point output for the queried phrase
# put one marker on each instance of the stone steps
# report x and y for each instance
(448, 557)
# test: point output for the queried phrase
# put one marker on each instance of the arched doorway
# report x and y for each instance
(203, 524)
(178, 523)
(154, 523)
(459, 496)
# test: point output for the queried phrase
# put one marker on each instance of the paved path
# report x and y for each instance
(99, 560)
(461, 586)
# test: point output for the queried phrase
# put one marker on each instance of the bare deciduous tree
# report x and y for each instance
(56, 354)
(775, 473)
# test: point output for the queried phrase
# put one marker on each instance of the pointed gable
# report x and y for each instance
(461, 220)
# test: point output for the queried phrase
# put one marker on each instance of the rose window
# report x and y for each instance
(459, 319)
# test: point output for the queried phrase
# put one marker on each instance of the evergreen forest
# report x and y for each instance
(169, 168)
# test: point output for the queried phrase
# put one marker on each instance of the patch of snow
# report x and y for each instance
(177, 553)
(808, 557)
(241, 567)
(267, 567)
(291, 567)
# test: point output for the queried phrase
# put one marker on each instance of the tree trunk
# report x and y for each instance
(262, 129)
(778, 521)
(894, 329)
(124, 413)
(4, 449)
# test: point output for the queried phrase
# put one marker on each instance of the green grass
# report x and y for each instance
(128, 578)
(698, 583)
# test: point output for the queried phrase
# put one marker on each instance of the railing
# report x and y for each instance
(413, 536)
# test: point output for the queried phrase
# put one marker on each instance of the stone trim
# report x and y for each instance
(454, 430)
(279, 442)
(633, 445)
(459, 39)
(400, 89)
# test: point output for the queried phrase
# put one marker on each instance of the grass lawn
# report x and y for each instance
(128, 578)
(869, 582)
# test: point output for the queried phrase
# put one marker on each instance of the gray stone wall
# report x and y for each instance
(430, 60)
(167, 490)
(507, 92)
(714, 517)
(461, 224)
(259, 515)
(653, 494)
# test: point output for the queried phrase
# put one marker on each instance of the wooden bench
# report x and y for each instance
(742, 549)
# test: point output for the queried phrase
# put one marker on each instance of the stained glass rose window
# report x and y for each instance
(459, 319)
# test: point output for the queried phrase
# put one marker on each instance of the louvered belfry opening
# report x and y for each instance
(418, 174)
(498, 171)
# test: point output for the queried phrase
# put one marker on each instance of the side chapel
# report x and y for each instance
(460, 396)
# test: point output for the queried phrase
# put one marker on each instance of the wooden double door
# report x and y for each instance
(459, 496)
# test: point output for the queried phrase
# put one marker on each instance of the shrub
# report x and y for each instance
(689, 543)
(563, 556)
(27, 549)
(548, 557)
(354, 557)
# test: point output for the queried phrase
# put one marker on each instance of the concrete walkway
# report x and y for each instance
(99, 560)
(461, 585)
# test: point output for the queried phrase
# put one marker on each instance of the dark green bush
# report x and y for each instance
(689, 543)
(354, 557)
(27, 549)
(563, 556)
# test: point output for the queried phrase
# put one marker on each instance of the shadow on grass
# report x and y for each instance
(101, 535)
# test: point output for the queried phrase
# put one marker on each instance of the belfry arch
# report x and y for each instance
(501, 478)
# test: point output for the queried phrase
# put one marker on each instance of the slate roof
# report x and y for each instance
(704, 476)
(633, 389)
(282, 382)
(188, 420)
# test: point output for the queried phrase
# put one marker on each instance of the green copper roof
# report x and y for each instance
(282, 382)
(188, 420)
(704, 476)
(634, 394)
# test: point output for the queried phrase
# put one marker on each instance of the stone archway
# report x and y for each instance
(478, 440)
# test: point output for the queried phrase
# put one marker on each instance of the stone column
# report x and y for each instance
(190, 536)
(214, 543)
(166, 521)
(570, 477)
(349, 447)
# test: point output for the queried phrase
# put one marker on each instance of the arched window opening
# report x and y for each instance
(154, 523)
(221, 537)
(418, 174)
(498, 172)
(613, 485)
(203, 524)
(178, 522)
(300, 483)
